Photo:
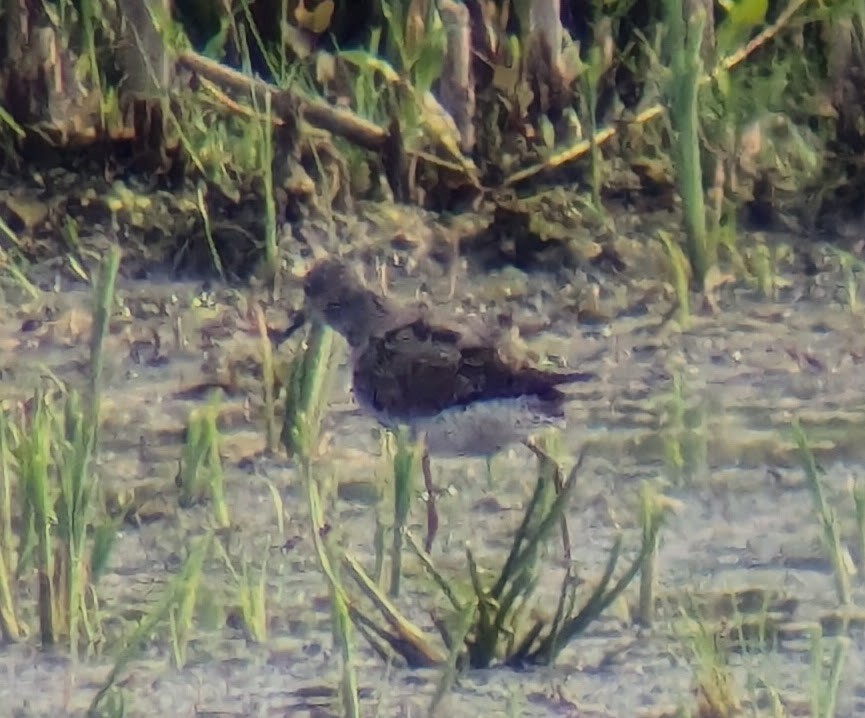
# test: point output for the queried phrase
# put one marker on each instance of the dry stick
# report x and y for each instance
(731, 61)
(223, 101)
(582, 147)
(318, 113)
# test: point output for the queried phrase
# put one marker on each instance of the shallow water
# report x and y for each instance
(746, 521)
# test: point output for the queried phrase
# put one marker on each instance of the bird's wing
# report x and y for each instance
(418, 369)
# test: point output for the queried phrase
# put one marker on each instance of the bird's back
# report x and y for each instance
(419, 369)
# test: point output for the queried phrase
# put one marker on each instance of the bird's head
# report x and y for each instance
(335, 295)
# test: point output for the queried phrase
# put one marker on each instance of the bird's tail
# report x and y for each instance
(574, 377)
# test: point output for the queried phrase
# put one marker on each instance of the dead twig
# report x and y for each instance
(316, 112)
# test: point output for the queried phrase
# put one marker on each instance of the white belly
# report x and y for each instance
(483, 428)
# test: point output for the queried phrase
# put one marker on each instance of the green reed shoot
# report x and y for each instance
(205, 219)
(78, 486)
(339, 602)
(570, 622)
(447, 678)
(252, 592)
(686, 69)
(251, 595)
(674, 429)
(591, 78)
(10, 629)
(830, 531)
(89, 12)
(63, 537)
(682, 433)
(8, 262)
(403, 472)
(379, 547)
(825, 682)
(654, 509)
(500, 608)
(495, 614)
(271, 255)
(267, 381)
(679, 269)
(851, 268)
(278, 505)
(764, 271)
(437, 576)
(544, 447)
(69, 234)
(419, 55)
(76, 506)
(858, 490)
(181, 614)
(201, 474)
(33, 455)
(307, 387)
(648, 578)
(104, 302)
(262, 137)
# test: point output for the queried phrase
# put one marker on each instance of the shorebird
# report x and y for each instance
(454, 386)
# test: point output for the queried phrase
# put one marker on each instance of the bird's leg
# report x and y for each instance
(432, 517)
(489, 463)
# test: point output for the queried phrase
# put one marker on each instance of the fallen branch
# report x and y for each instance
(317, 113)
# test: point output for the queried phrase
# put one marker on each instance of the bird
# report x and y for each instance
(456, 387)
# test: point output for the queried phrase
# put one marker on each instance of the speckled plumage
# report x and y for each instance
(447, 380)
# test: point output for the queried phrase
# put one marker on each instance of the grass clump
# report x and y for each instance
(714, 687)
(408, 56)
(46, 452)
(500, 609)
(251, 595)
(711, 633)
(201, 474)
(830, 528)
(488, 623)
(176, 608)
(682, 433)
